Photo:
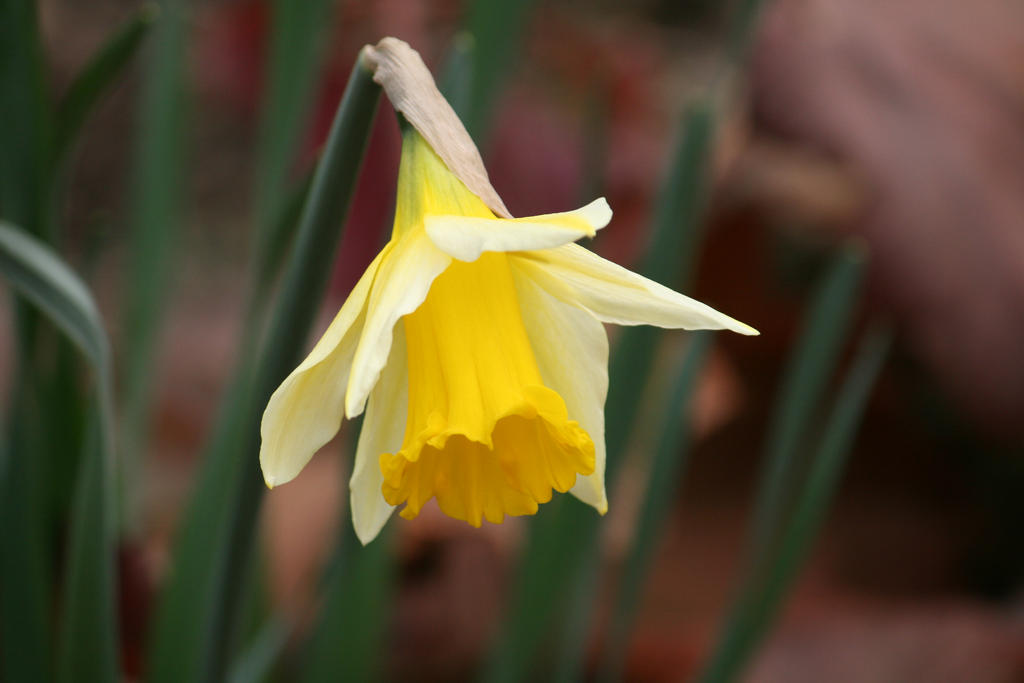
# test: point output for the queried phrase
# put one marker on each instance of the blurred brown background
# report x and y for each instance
(898, 124)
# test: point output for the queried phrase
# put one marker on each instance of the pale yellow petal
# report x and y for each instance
(466, 237)
(617, 295)
(382, 432)
(571, 348)
(402, 284)
(304, 413)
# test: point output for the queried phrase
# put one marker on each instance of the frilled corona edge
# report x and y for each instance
(409, 85)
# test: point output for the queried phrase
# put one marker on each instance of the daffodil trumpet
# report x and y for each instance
(474, 341)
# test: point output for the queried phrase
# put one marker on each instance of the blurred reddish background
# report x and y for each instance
(900, 124)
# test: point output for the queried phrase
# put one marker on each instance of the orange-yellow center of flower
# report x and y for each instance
(484, 436)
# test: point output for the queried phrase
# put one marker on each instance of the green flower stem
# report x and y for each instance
(671, 456)
(305, 278)
(298, 32)
(762, 595)
(670, 259)
(345, 645)
(25, 575)
(811, 364)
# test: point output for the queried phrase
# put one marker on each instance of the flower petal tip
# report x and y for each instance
(367, 529)
(597, 213)
(354, 406)
(364, 538)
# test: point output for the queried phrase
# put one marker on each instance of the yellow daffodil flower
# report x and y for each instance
(474, 341)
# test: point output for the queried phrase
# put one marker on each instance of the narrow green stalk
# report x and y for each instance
(764, 592)
(39, 138)
(743, 27)
(223, 446)
(256, 663)
(67, 401)
(39, 275)
(291, 68)
(297, 33)
(288, 62)
(88, 643)
(268, 267)
(89, 638)
(25, 575)
(203, 528)
(678, 229)
(579, 623)
(670, 259)
(811, 364)
(214, 544)
(25, 136)
(456, 78)
(671, 456)
(155, 220)
(788, 470)
(102, 71)
(346, 642)
(304, 281)
(497, 29)
(561, 534)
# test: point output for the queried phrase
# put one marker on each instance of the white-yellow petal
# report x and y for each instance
(617, 295)
(305, 412)
(466, 237)
(571, 349)
(404, 278)
(382, 432)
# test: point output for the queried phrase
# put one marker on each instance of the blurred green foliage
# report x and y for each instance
(59, 620)
(155, 216)
(58, 440)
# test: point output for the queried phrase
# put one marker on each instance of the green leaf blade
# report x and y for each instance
(671, 456)
(213, 551)
(88, 647)
(788, 474)
(812, 362)
(88, 644)
(763, 594)
(98, 76)
(25, 137)
(304, 281)
(496, 27)
(257, 662)
(41, 277)
(670, 259)
(297, 36)
(347, 641)
(154, 223)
